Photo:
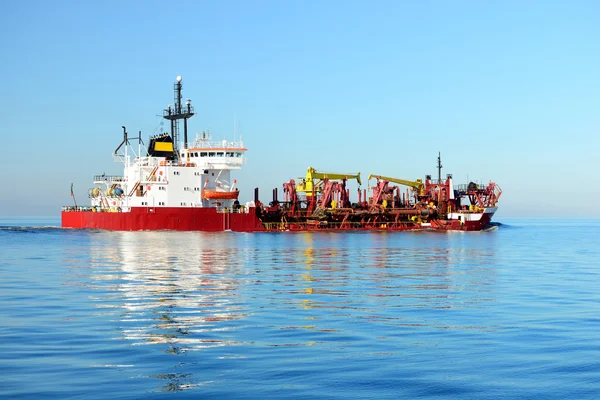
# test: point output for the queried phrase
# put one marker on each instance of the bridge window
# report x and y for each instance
(211, 154)
(203, 154)
(238, 154)
(220, 154)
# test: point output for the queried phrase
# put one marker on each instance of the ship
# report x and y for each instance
(188, 186)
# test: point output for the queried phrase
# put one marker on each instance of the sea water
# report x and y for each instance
(513, 312)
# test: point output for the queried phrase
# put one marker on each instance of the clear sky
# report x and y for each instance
(507, 91)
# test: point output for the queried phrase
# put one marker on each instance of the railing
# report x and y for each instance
(177, 113)
(437, 181)
(223, 210)
(463, 187)
(108, 178)
(202, 144)
(89, 209)
(229, 210)
(342, 226)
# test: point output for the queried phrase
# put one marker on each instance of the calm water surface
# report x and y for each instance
(509, 313)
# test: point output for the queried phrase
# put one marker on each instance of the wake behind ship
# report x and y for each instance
(168, 186)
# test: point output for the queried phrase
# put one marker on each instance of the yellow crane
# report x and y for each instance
(417, 185)
(307, 184)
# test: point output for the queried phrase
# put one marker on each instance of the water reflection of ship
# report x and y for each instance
(174, 288)
(327, 262)
(189, 283)
(388, 279)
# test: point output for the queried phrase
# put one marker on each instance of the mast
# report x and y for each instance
(176, 112)
(439, 167)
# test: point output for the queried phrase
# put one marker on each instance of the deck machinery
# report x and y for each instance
(321, 201)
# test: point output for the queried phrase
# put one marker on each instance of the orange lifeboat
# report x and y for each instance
(216, 195)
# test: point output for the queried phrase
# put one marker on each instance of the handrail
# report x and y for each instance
(109, 178)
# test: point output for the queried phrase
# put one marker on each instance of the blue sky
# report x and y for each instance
(507, 91)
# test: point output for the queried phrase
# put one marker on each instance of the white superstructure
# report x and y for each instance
(200, 177)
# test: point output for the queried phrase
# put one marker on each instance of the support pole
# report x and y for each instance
(73, 196)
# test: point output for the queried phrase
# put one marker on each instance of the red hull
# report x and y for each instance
(209, 220)
(435, 225)
(163, 218)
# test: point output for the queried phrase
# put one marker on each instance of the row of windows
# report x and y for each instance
(215, 154)
(161, 203)
(195, 173)
(186, 189)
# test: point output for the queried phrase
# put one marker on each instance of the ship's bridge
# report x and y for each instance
(215, 154)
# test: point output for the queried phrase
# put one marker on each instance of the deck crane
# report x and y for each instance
(319, 189)
(291, 197)
(308, 184)
(382, 186)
